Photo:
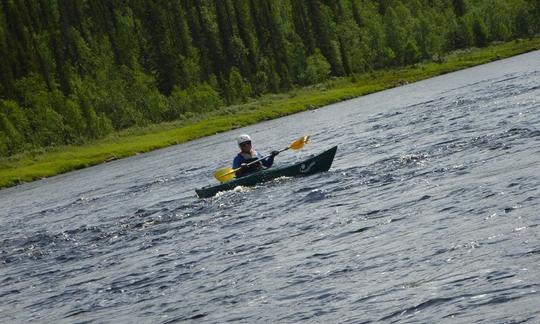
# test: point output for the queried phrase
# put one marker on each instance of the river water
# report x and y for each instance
(430, 213)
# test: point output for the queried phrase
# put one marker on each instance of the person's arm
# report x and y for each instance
(238, 160)
(268, 162)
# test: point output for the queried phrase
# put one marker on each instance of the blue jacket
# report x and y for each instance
(239, 159)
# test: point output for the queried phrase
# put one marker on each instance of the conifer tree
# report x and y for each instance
(76, 70)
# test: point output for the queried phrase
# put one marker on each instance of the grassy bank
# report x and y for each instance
(35, 165)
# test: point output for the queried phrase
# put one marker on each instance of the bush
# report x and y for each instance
(480, 32)
(412, 54)
(317, 69)
(238, 89)
(197, 98)
(12, 141)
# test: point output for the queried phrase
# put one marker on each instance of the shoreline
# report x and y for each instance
(30, 166)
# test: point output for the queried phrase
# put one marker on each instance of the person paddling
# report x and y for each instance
(248, 154)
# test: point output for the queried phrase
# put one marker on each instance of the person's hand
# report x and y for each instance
(274, 153)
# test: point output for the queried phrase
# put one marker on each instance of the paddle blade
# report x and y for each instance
(299, 143)
(224, 174)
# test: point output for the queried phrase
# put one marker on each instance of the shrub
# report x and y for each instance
(317, 69)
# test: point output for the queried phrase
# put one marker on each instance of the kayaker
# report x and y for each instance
(248, 154)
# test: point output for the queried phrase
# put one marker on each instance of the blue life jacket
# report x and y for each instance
(250, 157)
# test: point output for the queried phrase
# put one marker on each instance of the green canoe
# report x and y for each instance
(315, 164)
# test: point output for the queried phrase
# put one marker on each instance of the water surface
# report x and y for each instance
(430, 213)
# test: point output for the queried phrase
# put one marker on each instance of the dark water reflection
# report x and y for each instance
(429, 214)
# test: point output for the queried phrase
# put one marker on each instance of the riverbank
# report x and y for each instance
(45, 163)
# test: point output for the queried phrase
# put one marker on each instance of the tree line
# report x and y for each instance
(73, 71)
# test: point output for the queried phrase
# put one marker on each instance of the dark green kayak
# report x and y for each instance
(315, 164)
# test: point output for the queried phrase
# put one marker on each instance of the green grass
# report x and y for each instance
(45, 163)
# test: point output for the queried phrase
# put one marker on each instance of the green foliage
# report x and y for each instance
(461, 34)
(43, 110)
(317, 70)
(430, 35)
(15, 117)
(480, 32)
(200, 98)
(460, 7)
(411, 53)
(373, 51)
(523, 23)
(396, 33)
(11, 139)
(237, 89)
(79, 70)
(498, 19)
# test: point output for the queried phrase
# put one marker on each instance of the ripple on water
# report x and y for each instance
(429, 214)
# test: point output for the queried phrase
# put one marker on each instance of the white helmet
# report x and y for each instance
(243, 138)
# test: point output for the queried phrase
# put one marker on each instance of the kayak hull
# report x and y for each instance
(315, 164)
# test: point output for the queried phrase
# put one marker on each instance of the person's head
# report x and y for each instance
(244, 142)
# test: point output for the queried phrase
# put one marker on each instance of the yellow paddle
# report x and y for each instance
(227, 174)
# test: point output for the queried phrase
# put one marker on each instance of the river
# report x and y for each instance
(429, 214)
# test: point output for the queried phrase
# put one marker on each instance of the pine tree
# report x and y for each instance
(480, 32)
(75, 70)
(325, 42)
(460, 7)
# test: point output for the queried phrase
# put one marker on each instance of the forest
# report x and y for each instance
(75, 71)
